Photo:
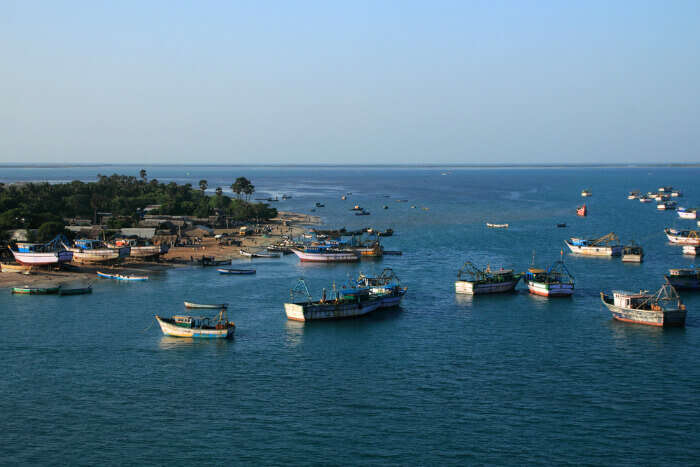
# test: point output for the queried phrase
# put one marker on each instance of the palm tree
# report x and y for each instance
(203, 185)
(142, 174)
(219, 191)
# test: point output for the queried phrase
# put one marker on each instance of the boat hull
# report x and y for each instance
(83, 291)
(150, 251)
(328, 311)
(691, 250)
(42, 259)
(652, 318)
(595, 250)
(102, 255)
(195, 333)
(15, 268)
(35, 290)
(216, 306)
(681, 240)
(632, 258)
(326, 257)
(550, 290)
(235, 271)
(688, 283)
(687, 215)
(476, 288)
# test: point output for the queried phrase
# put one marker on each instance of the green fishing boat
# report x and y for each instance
(75, 291)
(35, 290)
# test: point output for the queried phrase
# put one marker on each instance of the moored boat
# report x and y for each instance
(582, 211)
(122, 277)
(325, 254)
(235, 271)
(555, 281)
(75, 290)
(386, 286)
(683, 237)
(666, 206)
(496, 226)
(684, 278)
(198, 327)
(206, 305)
(677, 194)
(684, 213)
(632, 253)
(473, 280)
(645, 199)
(633, 195)
(691, 250)
(586, 193)
(27, 290)
(607, 245)
(258, 254)
(663, 308)
(339, 306)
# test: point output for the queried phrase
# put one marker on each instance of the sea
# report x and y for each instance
(513, 379)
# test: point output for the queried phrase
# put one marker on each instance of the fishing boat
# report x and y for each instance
(632, 253)
(683, 237)
(258, 254)
(357, 208)
(586, 193)
(677, 194)
(386, 233)
(235, 271)
(684, 213)
(473, 280)
(496, 226)
(666, 206)
(365, 250)
(206, 306)
(684, 278)
(75, 290)
(42, 254)
(325, 254)
(345, 305)
(140, 251)
(607, 245)
(198, 326)
(122, 277)
(94, 251)
(582, 211)
(663, 308)
(26, 290)
(645, 199)
(285, 250)
(555, 281)
(386, 286)
(665, 189)
(19, 268)
(691, 250)
(633, 195)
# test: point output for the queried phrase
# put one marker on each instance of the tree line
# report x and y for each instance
(37, 205)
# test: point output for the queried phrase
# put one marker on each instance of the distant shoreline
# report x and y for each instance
(371, 166)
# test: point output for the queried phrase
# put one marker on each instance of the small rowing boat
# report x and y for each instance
(235, 271)
(497, 226)
(248, 254)
(122, 277)
(215, 306)
(75, 291)
(26, 290)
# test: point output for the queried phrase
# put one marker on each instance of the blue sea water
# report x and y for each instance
(445, 379)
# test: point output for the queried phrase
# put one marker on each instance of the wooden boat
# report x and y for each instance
(20, 268)
(337, 307)
(386, 286)
(325, 254)
(122, 277)
(666, 206)
(374, 250)
(684, 213)
(582, 211)
(140, 251)
(35, 290)
(555, 281)
(197, 326)
(684, 278)
(39, 254)
(586, 193)
(683, 237)
(285, 250)
(607, 245)
(691, 250)
(248, 254)
(496, 226)
(632, 254)
(663, 308)
(235, 271)
(94, 251)
(473, 280)
(206, 306)
(75, 291)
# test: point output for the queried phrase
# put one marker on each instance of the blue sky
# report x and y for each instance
(350, 82)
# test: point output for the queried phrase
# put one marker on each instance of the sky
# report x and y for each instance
(354, 82)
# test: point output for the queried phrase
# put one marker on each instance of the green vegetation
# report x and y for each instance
(43, 206)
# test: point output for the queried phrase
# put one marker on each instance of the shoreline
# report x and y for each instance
(297, 224)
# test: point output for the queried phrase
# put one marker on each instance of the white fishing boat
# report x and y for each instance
(94, 251)
(663, 308)
(198, 327)
(665, 189)
(586, 193)
(666, 206)
(336, 307)
(258, 254)
(497, 226)
(633, 195)
(555, 281)
(645, 199)
(325, 254)
(42, 254)
(677, 194)
(691, 250)
(684, 213)
(607, 245)
(472, 280)
(683, 237)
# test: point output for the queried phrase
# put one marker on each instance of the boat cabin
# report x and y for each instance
(630, 299)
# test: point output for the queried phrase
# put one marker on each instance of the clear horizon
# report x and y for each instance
(364, 83)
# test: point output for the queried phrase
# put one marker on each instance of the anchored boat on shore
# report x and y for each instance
(663, 308)
(140, 251)
(684, 278)
(348, 304)
(555, 281)
(42, 254)
(607, 245)
(197, 326)
(683, 237)
(94, 251)
(473, 280)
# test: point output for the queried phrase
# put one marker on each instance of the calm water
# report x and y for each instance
(504, 379)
